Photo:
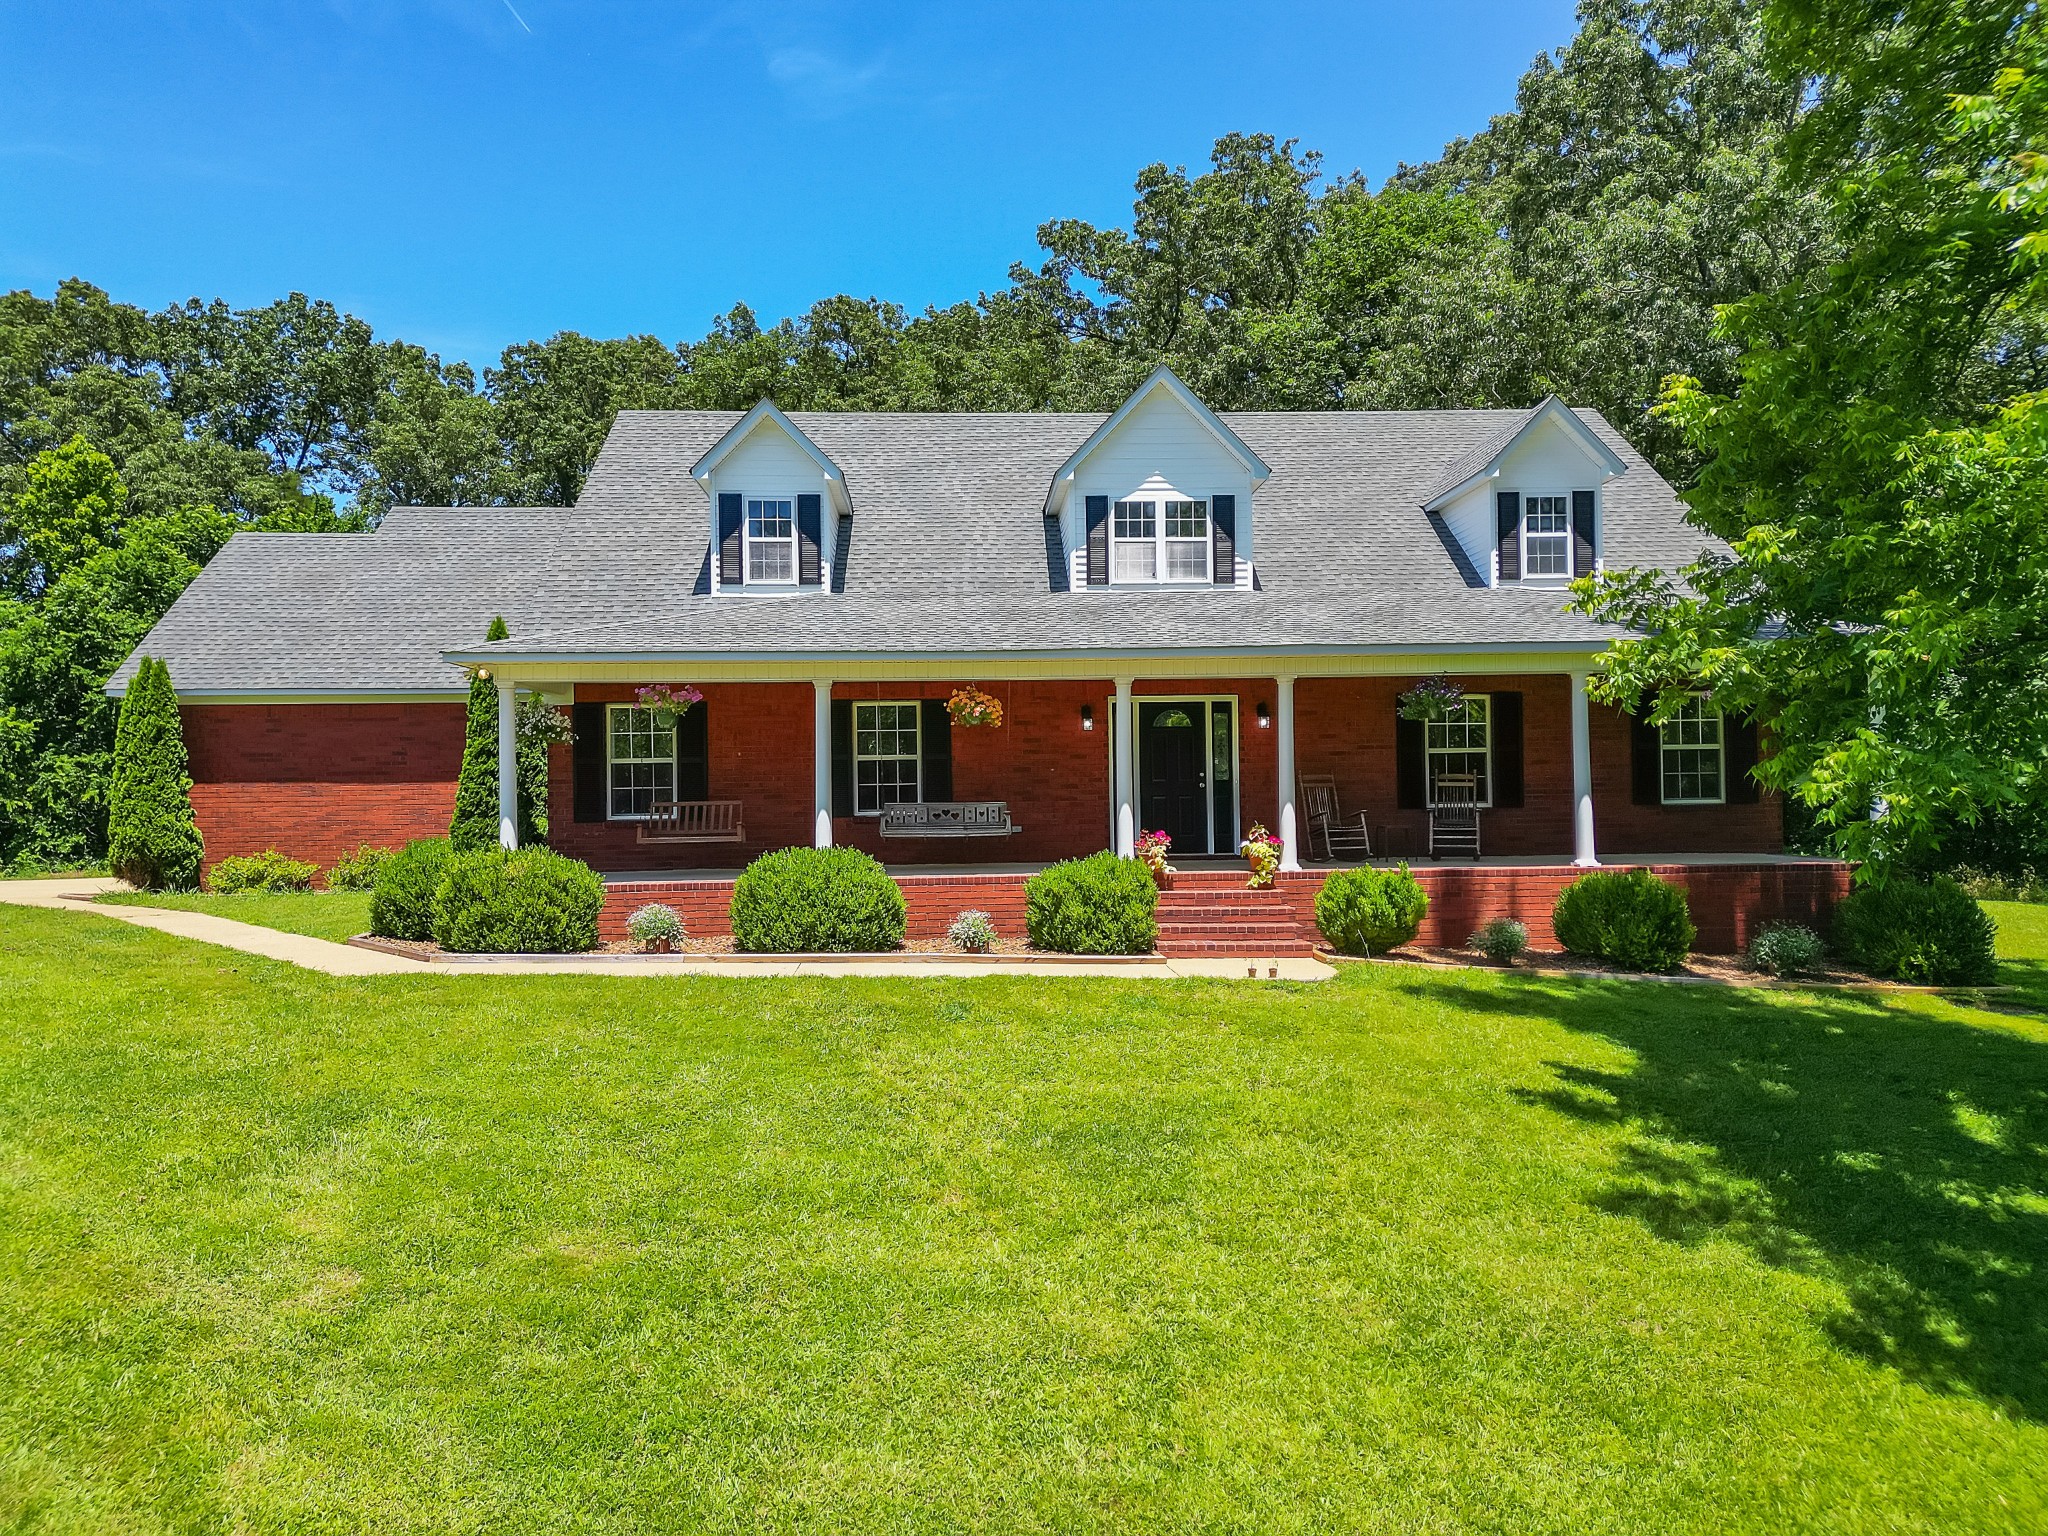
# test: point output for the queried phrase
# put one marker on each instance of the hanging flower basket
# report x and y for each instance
(969, 706)
(1262, 850)
(669, 704)
(1430, 699)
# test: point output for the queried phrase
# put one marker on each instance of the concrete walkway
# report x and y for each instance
(347, 960)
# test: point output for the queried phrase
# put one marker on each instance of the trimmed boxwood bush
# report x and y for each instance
(265, 871)
(801, 901)
(402, 900)
(358, 871)
(1362, 910)
(1629, 918)
(525, 901)
(1933, 933)
(1100, 905)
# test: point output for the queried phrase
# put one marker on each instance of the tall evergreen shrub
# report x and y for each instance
(476, 792)
(152, 840)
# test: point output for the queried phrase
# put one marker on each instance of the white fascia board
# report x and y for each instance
(452, 695)
(1161, 377)
(1434, 652)
(1551, 408)
(768, 411)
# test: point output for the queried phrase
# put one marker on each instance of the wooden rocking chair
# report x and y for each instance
(1454, 816)
(1344, 839)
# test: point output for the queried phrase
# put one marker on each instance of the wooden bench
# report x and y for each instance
(694, 821)
(948, 818)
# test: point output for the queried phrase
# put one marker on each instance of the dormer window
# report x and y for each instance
(771, 540)
(1546, 536)
(1143, 543)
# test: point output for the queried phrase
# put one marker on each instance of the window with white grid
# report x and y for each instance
(1134, 541)
(1546, 536)
(771, 540)
(885, 756)
(1694, 755)
(642, 762)
(1461, 741)
(1187, 541)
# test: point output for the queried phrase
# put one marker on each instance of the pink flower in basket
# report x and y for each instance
(1151, 848)
(1262, 850)
(668, 703)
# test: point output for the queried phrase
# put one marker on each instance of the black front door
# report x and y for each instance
(1173, 777)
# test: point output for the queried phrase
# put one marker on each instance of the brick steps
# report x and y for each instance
(1212, 913)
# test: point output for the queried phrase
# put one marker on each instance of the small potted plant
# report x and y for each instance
(969, 706)
(973, 931)
(1263, 850)
(656, 929)
(1431, 699)
(669, 704)
(1152, 847)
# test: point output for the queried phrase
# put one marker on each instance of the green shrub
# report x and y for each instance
(358, 871)
(526, 901)
(1933, 934)
(266, 871)
(1363, 910)
(1629, 918)
(1502, 940)
(402, 899)
(153, 841)
(1786, 949)
(1100, 905)
(655, 924)
(973, 931)
(816, 901)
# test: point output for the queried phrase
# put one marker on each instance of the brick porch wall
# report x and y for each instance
(318, 781)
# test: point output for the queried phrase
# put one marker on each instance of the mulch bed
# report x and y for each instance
(722, 944)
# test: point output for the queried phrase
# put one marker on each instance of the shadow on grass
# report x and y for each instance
(1901, 1153)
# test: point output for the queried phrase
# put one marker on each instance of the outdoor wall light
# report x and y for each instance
(1087, 717)
(1265, 716)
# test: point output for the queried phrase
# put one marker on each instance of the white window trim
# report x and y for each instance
(1570, 539)
(674, 767)
(916, 708)
(1428, 753)
(795, 539)
(1159, 540)
(1720, 749)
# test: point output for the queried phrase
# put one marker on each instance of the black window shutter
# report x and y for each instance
(587, 788)
(1506, 726)
(1223, 538)
(842, 757)
(693, 753)
(1507, 509)
(1411, 765)
(1646, 757)
(935, 744)
(810, 531)
(1098, 541)
(732, 555)
(1582, 533)
(1740, 739)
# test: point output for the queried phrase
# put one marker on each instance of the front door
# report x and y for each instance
(1185, 757)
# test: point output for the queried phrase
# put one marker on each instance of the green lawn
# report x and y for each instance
(323, 914)
(2023, 946)
(1409, 1250)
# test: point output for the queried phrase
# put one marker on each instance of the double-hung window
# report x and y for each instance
(1546, 536)
(885, 756)
(1134, 541)
(771, 540)
(1461, 742)
(643, 762)
(1693, 755)
(1187, 541)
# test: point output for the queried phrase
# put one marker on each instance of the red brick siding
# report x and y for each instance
(931, 903)
(317, 781)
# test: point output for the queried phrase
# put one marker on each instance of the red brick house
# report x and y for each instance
(1184, 616)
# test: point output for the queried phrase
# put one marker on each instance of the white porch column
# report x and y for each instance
(508, 766)
(1126, 807)
(821, 761)
(1283, 726)
(1583, 851)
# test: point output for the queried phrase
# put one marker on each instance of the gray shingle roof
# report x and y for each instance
(948, 554)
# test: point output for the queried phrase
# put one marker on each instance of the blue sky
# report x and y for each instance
(469, 173)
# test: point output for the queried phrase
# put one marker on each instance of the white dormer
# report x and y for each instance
(776, 503)
(1159, 495)
(1527, 505)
